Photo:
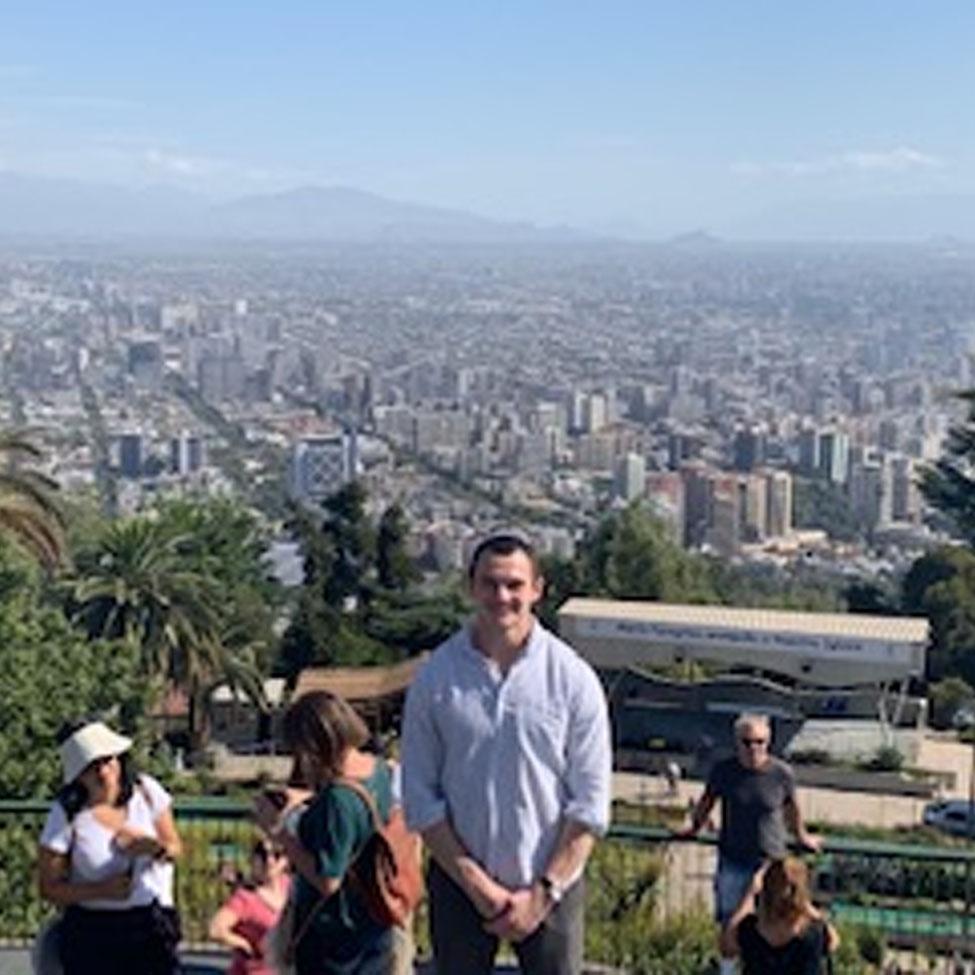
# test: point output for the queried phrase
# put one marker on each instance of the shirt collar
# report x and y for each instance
(531, 649)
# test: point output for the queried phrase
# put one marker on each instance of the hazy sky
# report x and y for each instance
(670, 115)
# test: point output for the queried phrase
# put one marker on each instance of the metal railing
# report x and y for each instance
(649, 896)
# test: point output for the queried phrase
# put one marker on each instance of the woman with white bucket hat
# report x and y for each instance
(106, 859)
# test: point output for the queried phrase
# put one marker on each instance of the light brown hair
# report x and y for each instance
(785, 891)
(322, 727)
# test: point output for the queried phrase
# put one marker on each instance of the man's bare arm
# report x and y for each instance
(571, 854)
(794, 822)
(699, 815)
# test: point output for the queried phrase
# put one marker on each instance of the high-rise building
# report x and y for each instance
(595, 414)
(665, 494)
(321, 465)
(185, 454)
(905, 493)
(697, 502)
(749, 449)
(779, 492)
(130, 455)
(533, 453)
(145, 363)
(440, 428)
(596, 451)
(630, 477)
(809, 451)
(547, 415)
(724, 528)
(682, 446)
(752, 508)
(871, 492)
(834, 456)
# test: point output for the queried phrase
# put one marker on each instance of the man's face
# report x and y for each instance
(504, 589)
(752, 746)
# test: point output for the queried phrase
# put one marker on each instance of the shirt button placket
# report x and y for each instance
(497, 751)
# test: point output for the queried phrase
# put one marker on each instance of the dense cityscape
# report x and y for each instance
(769, 405)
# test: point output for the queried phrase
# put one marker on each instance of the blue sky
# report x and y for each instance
(667, 115)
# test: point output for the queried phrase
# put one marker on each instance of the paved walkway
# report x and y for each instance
(16, 961)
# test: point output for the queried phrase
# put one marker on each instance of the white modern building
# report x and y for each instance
(321, 465)
(812, 649)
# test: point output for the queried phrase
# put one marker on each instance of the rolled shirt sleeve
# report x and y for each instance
(422, 758)
(590, 756)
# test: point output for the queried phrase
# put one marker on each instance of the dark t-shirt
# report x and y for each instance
(752, 825)
(802, 955)
(335, 827)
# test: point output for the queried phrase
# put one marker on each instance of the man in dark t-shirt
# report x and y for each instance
(758, 804)
(753, 804)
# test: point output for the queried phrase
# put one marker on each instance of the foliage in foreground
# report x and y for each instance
(53, 674)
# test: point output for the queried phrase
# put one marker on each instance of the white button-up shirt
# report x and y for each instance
(505, 758)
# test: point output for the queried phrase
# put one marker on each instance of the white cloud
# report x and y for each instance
(200, 169)
(176, 164)
(898, 160)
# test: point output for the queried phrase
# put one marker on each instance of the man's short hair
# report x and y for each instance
(504, 543)
(750, 720)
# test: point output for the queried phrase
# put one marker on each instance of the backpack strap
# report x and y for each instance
(366, 796)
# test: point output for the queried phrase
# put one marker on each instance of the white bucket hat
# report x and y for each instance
(87, 744)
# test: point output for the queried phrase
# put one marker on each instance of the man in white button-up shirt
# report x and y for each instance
(506, 772)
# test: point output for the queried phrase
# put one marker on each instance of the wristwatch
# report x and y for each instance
(553, 889)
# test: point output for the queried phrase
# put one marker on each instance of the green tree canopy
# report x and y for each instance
(949, 486)
(394, 568)
(631, 555)
(821, 504)
(941, 586)
(54, 674)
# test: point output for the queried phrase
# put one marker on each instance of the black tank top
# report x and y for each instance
(801, 955)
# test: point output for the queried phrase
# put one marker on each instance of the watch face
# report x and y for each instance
(553, 889)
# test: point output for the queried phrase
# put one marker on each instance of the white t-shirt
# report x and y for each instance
(94, 855)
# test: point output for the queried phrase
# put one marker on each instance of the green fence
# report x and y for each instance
(649, 897)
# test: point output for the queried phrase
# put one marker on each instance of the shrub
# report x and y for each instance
(811, 756)
(886, 759)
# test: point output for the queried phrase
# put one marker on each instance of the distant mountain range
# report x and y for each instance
(51, 207)
(41, 207)
(889, 217)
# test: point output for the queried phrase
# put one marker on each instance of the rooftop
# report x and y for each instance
(850, 625)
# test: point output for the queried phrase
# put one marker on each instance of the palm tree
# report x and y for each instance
(133, 585)
(29, 513)
(138, 584)
(230, 661)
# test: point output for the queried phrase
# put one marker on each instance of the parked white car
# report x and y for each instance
(955, 816)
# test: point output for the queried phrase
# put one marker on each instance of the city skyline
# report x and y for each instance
(641, 120)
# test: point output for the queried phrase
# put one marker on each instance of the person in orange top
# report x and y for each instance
(243, 922)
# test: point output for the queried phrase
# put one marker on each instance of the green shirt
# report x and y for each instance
(335, 828)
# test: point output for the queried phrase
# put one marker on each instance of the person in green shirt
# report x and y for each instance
(336, 934)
